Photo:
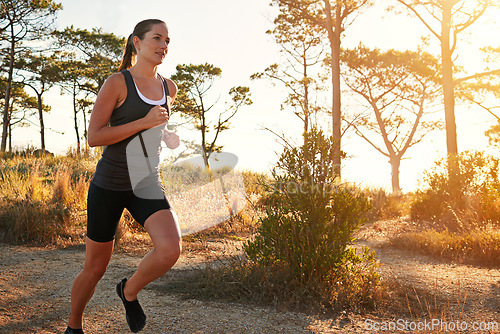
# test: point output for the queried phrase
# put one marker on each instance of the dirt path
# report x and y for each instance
(35, 288)
(463, 293)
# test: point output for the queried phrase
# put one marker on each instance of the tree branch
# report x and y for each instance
(417, 14)
(477, 75)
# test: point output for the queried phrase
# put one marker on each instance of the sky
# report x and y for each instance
(231, 34)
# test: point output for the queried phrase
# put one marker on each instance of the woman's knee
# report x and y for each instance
(169, 250)
(165, 234)
(97, 257)
(94, 271)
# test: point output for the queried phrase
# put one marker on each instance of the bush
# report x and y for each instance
(308, 230)
(471, 197)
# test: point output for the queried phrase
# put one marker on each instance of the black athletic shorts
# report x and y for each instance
(105, 207)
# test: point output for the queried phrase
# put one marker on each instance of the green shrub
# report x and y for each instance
(308, 229)
(472, 196)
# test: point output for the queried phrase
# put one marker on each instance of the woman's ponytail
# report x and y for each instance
(128, 54)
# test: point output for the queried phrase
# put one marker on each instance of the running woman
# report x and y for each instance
(131, 102)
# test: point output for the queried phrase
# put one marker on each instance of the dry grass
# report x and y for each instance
(479, 246)
(400, 299)
(42, 200)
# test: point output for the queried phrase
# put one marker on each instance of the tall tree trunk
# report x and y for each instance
(10, 137)
(448, 85)
(334, 38)
(449, 103)
(395, 163)
(75, 111)
(204, 143)
(40, 117)
(85, 135)
(6, 118)
(306, 94)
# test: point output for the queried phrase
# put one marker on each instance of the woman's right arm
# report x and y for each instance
(112, 94)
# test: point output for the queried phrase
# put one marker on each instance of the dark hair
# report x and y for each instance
(129, 51)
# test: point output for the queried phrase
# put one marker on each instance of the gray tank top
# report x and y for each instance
(112, 170)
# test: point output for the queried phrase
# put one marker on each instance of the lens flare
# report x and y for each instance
(202, 196)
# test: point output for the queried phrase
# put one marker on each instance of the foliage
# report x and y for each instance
(472, 199)
(96, 54)
(195, 82)
(22, 107)
(446, 20)
(307, 231)
(25, 21)
(386, 206)
(256, 183)
(40, 73)
(85, 59)
(493, 134)
(303, 48)
(397, 90)
(332, 18)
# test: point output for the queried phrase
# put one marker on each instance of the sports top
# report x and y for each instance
(112, 169)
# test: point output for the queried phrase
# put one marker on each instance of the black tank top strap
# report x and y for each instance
(165, 85)
(129, 81)
(167, 93)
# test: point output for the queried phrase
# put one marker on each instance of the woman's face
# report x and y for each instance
(154, 46)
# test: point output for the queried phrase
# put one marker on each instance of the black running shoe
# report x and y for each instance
(73, 331)
(136, 319)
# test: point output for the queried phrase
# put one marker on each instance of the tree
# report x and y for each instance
(446, 19)
(22, 109)
(332, 17)
(302, 47)
(194, 82)
(42, 72)
(396, 86)
(100, 51)
(72, 81)
(21, 21)
(89, 58)
(484, 92)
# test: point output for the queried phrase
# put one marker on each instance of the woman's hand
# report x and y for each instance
(171, 139)
(158, 115)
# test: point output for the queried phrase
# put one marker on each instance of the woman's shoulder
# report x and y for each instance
(115, 82)
(114, 88)
(172, 86)
(116, 79)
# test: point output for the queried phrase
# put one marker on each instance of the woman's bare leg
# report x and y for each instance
(163, 229)
(97, 256)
